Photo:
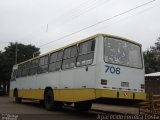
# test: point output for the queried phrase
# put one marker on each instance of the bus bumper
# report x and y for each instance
(101, 93)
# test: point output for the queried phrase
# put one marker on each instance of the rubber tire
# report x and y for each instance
(41, 102)
(49, 102)
(83, 106)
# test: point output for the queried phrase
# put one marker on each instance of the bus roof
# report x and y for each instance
(82, 40)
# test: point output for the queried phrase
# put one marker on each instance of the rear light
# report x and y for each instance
(142, 86)
(103, 82)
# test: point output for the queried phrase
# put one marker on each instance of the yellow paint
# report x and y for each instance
(125, 95)
(140, 96)
(102, 93)
(31, 94)
(76, 95)
(11, 93)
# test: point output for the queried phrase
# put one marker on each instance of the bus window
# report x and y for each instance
(43, 64)
(55, 61)
(33, 67)
(14, 74)
(69, 58)
(86, 53)
(122, 52)
(25, 69)
(19, 72)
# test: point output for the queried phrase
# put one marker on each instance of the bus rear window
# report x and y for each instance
(117, 51)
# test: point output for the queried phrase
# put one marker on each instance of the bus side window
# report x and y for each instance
(25, 69)
(86, 53)
(55, 61)
(43, 64)
(69, 58)
(19, 71)
(33, 67)
(14, 74)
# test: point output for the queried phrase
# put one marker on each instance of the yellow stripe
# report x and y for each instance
(11, 93)
(140, 96)
(101, 93)
(76, 95)
(125, 95)
(31, 94)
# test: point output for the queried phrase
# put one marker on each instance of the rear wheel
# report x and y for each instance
(49, 102)
(83, 106)
(41, 102)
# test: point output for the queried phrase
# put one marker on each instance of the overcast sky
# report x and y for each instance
(26, 21)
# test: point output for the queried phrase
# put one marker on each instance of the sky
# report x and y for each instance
(49, 24)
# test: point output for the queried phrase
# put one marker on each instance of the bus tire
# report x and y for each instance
(49, 102)
(83, 106)
(17, 99)
(41, 102)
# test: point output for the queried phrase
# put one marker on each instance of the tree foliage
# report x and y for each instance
(8, 58)
(152, 58)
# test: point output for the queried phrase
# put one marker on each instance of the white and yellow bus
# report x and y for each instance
(100, 66)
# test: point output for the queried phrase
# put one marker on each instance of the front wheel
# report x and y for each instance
(83, 106)
(49, 102)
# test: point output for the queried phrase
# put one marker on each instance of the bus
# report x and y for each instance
(100, 66)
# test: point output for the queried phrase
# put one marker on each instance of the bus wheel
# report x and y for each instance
(49, 102)
(17, 99)
(83, 106)
(41, 102)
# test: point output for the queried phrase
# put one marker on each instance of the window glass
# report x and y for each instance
(46, 59)
(121, 52)
(55, 61)
(33, 67)
(67, 53)
(41, 61)
(86, 53)
(69, 59)
(74, 51)
(43, 64)
(14, 74)
(60, 55)
(53, 57)
(25, 69)
(86, 47)
(19, 72)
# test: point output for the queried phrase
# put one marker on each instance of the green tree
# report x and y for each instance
(8, 58)
(152, 58)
